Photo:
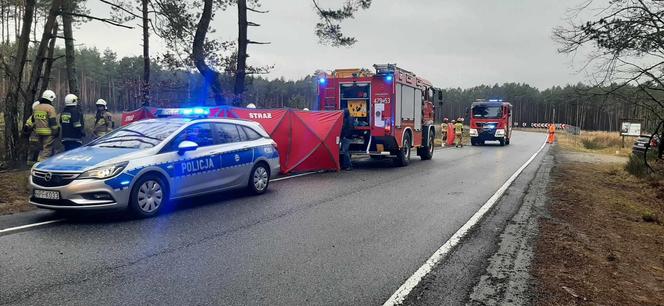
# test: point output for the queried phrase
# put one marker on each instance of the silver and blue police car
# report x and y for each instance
(147, 163)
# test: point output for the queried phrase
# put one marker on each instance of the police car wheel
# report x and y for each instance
(148, 196)
(259, 179)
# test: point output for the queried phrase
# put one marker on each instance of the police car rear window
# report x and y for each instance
(140, 135)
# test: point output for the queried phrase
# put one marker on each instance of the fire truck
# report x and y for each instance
(490, 120)
(391, 109)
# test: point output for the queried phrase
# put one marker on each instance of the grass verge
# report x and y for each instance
(604, 241)
(14, 192)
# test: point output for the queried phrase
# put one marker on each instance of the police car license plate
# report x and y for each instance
(47, 194)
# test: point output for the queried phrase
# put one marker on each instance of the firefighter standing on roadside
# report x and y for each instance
(443, 130)
(46, 124)
(103, 120)
(33, 139)
(458, 133)
(71, 121)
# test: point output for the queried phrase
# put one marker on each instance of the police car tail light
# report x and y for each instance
(104, 172)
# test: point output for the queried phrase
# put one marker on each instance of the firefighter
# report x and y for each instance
(103, 119)
(45, 124)
(552, 132)
(443, 130)
(458, 133)
(33, 139)
(71, 122)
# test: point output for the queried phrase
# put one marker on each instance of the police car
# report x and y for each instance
(147, 163)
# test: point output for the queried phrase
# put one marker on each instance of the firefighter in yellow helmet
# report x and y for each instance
(46, 124)
(33, 139)
(458, 133)
(103, 119)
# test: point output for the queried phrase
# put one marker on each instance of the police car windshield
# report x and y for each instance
(140, 135)
(487, 111)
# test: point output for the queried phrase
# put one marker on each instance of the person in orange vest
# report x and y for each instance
(450, 133)
(552, 133)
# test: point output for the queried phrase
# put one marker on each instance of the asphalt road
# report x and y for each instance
(333, 238)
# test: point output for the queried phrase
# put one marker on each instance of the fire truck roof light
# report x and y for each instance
(389, 78)
(322, 80)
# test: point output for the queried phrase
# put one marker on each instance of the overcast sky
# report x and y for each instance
(453, 43)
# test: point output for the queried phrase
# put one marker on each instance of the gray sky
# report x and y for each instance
(450, 42)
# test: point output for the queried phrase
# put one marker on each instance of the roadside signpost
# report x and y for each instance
(630, 127)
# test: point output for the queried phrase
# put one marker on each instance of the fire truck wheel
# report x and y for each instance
(426, 152)
(502, 142)
(507, 141)
(403, 155)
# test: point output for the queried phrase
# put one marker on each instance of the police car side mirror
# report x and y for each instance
(187, 146)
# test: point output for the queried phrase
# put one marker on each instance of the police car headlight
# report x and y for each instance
(473, 132)
(500, 133)
(104, 172)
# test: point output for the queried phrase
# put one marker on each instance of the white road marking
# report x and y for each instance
(400, 295)
(11, 230)
(23, 227)
(295, 175)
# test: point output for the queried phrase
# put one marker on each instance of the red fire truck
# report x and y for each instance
(490, 120)
(391, 109)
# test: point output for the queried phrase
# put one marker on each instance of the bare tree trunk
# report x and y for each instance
(242, 41)
(49, 59)
(146, 55)
(70, 53)
(211, 77)
(15, 77)
(38, 63)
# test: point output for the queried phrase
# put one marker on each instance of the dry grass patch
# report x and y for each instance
(14, 192)
(596, 142)
(604, 242)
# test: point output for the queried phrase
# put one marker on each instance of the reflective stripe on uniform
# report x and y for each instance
(44, 131)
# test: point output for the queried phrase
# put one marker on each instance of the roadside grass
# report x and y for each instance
(596, 142)
(14, 191)
(603, 243)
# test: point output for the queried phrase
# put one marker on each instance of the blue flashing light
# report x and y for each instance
(124, 183)
(187, 111)
(322, 81)
(495, 100)
(389, 78)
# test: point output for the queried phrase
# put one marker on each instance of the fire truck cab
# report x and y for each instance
(391, 109)
(490, 120)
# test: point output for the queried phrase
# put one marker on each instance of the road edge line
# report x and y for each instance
(400, 295)
(11, 230)
(295, 175)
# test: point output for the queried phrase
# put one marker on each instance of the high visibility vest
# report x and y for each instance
(552, 128)
(458, 128)
(45, 120)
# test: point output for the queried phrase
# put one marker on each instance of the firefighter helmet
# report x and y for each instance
(251, 105)
(34, 104)
(71, 100)
(48, 95)
(101, 102)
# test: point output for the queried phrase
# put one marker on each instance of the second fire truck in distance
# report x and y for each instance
(490, 121)
(391, 109)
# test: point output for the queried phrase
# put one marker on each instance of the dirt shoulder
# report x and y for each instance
(603, 241)
(14, 192)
